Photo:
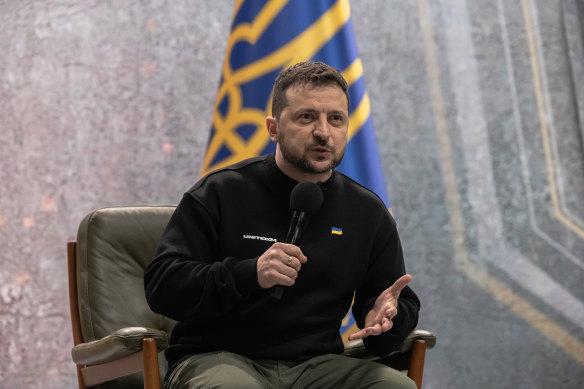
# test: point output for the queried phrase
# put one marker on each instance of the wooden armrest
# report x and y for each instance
(356, 348)
(121, 343)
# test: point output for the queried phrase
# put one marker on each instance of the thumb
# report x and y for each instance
(400, 283)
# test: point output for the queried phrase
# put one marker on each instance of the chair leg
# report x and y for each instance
(151, 371)
(416, 368)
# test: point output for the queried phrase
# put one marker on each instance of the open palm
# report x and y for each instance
(379, 318)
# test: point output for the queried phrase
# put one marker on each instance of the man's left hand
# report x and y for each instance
(379, 318)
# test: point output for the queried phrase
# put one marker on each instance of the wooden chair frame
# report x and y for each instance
(145, 360)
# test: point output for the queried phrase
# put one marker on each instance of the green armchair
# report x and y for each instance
(118, 340)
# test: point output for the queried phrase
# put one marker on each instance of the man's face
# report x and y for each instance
(311, 133)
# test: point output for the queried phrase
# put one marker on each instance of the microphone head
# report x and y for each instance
(306, 197)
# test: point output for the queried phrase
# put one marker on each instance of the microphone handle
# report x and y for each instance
(297, 225)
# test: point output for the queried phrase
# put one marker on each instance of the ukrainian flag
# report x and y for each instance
(266, 37)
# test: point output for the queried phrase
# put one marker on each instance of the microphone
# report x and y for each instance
(305, 200)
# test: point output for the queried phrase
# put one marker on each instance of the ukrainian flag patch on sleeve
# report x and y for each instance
(336, 231)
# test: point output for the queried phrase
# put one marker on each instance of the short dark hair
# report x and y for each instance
(303, 73)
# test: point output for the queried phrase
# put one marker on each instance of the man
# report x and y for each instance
(222, 253)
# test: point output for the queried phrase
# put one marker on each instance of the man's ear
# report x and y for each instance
(272, 126)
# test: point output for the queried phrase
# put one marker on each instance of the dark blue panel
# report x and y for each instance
(223, 105)
(246, 131)
(341, 50)
(362, 163)
(294, 18)
(248, 11)
(356, 93)
(269, 149)
(223, 153)
(257, 92)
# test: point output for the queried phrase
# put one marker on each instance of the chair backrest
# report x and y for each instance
(114, 246)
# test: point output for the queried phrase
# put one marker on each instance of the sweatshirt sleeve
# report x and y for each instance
(386, 266)
(186, 281)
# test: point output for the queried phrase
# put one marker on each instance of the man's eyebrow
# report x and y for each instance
(312, 110)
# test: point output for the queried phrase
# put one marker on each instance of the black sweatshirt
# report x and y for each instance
(204, 271)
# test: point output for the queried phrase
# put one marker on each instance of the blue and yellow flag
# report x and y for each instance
(266, 37)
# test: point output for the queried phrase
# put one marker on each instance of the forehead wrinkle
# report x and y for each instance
(294, 92)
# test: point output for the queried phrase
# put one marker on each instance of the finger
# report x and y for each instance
(288, 271)
(292, 262)
(362, 334)
(401, 283)
(284, 280)
(365, 332)
(358, 335)
(293, 251)
(273, 277)
(386, 324)
(283, 275)
(390, 308)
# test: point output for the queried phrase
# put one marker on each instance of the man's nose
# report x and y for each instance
(321, 129)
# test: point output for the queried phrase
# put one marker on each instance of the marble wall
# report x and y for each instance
(478, 107)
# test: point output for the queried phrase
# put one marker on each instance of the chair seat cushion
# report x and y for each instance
(121, 343)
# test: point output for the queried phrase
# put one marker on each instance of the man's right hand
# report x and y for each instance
(280, 265)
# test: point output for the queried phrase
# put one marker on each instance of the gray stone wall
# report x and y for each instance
(478, 107)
